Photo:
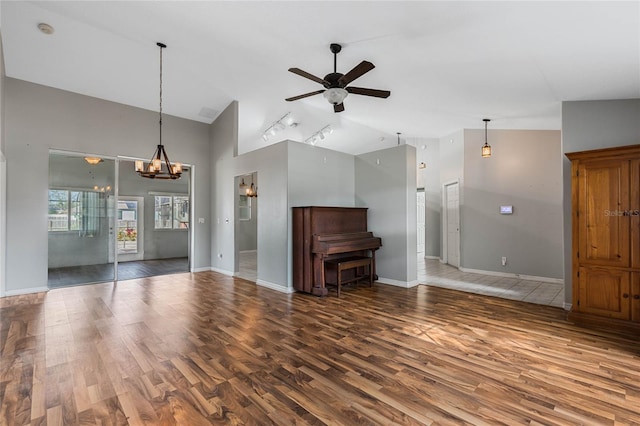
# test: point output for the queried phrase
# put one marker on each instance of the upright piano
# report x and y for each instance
(323, 233)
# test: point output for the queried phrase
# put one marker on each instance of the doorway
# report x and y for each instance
(130, 229)
(246, 226)
(97, 235)
(451, 221)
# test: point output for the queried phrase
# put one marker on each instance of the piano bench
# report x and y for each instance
(352, 262)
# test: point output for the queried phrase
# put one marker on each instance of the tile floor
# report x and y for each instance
(248, 267)
(434, 273)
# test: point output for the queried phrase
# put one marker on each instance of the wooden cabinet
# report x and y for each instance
(606, 235)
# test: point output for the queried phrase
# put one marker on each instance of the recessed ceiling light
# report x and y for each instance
(45, 28)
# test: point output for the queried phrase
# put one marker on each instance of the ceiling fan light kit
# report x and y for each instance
(335, 84)
(335, 95)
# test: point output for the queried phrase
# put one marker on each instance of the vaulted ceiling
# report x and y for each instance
(448, 64)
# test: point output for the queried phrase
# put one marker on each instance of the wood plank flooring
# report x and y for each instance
(201, 349)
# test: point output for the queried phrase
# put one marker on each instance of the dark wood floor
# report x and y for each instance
(203, 348)
(74, 275)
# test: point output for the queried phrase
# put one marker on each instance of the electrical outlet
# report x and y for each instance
(504, 260)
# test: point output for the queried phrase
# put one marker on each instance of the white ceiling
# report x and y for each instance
(448, 64)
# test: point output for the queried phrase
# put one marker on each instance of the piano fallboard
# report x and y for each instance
(328, 244)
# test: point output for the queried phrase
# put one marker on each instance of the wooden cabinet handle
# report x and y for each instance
(625, 295)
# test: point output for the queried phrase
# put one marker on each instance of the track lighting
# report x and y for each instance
(285, 121)
(319, 135)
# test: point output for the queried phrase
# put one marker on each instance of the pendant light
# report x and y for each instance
(159, 166)
(252, 191)
(486, 148)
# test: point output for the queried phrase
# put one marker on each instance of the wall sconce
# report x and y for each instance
(486, 148)
(102, 188)
(285, 121)
(93, 160)
(319, 135)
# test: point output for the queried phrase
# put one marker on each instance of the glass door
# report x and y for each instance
(79, 220)
(130, 228)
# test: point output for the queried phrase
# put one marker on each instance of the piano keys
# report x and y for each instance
(322, 233)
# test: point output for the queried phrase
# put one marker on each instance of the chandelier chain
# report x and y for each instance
(161, 95)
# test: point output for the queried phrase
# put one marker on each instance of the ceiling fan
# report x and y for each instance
(336, 84)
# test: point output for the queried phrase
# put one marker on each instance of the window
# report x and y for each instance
(171, 212)
(244, 208)
(74, 211)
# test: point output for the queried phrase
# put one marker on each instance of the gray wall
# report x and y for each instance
(524, 172)
(223, 137)
(38, 118)
(385, 182)
(291, 174)
(270, 164)
(429, 179)
(320, 177)
(451, 151)
(3, 192)
(590, 125)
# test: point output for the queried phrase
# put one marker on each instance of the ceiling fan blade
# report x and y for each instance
(368, 92)
(338, 107)
(360, 69)
(307, 75)
(295, 98)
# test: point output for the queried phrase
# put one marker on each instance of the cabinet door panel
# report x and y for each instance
(603, 215)
(604, 292)
(635, 294)
(634, 209)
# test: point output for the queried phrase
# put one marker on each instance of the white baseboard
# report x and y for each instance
(248, 251)
(203, 269)
(221, 271)
(22, 291)
(511, 275)
(432, 257)
(404, 284)
(276, 287)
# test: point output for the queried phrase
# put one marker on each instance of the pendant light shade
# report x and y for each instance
(486, 148)
(159, 166)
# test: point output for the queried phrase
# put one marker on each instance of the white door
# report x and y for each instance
(130, 228)
(420, 203)
(453, 224)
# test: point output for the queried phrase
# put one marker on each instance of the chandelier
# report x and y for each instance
(159, 166)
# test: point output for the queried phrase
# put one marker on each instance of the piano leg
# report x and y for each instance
(319, 288)
(373, 265)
